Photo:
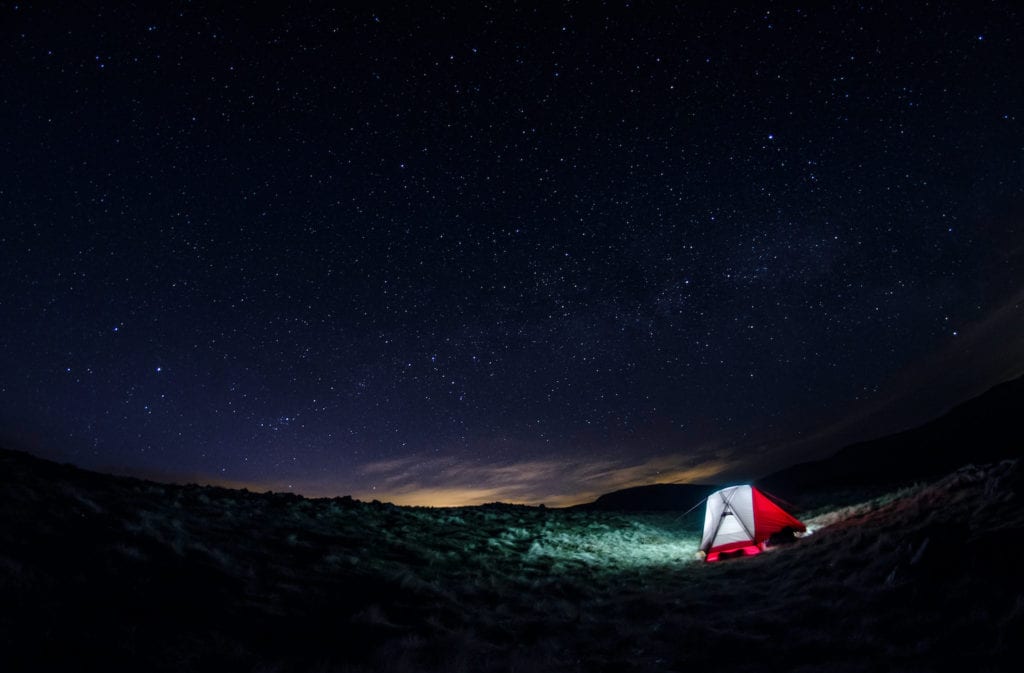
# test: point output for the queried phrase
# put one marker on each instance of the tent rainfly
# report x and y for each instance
(740, 520)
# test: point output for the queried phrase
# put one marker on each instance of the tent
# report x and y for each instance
(740, 520)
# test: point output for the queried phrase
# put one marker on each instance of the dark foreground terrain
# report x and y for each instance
(108, 573)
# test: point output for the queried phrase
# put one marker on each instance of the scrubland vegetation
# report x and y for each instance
(99, 572)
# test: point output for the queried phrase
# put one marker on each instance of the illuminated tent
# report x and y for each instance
(740, 519)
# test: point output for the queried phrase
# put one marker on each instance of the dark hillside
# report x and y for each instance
(651, 498)
(117, 574)
(982, 430)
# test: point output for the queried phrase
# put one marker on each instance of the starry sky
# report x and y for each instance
(458, 254)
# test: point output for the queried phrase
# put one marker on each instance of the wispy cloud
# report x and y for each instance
(433, 481)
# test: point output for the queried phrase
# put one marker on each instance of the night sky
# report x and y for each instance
(455, 255)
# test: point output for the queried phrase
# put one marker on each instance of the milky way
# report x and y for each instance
(446, 256)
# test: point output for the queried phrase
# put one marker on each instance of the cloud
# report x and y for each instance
(434, 481)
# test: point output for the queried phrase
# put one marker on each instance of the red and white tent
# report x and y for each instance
(740, 519)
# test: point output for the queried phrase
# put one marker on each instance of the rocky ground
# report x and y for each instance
(101, 572)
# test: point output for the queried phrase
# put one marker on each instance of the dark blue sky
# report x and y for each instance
(447, 255)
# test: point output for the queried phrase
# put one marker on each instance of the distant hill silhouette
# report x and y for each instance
(130, 575)
(985, 429)
(651, 498)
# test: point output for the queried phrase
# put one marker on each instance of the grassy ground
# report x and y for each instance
(102, 572)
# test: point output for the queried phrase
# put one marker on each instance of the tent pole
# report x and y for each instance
(738, 518)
